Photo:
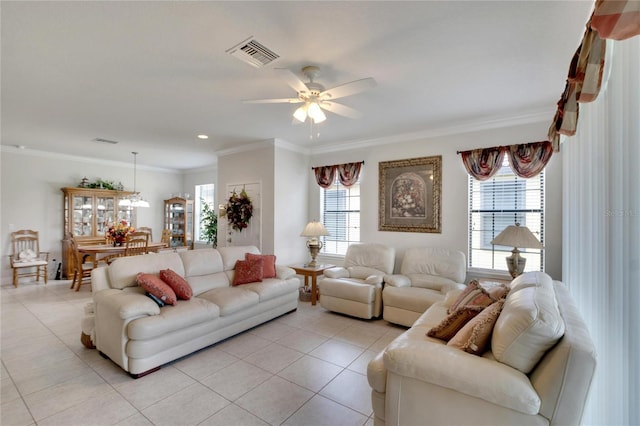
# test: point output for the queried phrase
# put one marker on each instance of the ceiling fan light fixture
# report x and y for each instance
(301, 113)
(316, 114)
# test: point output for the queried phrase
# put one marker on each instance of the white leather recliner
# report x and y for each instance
(426, 275)
(356, 288)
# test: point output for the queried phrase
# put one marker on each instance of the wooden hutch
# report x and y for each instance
(179, 219)
(88, 213)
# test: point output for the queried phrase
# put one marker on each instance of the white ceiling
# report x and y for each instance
(153, 75)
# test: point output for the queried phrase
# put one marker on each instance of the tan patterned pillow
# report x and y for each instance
(248, 271)
(475, 336)
(473, 295)
(454, 322)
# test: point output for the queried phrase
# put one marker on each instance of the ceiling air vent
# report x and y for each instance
(101, 140)
(253, 53)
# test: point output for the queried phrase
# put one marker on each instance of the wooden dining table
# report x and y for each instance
(110, 249)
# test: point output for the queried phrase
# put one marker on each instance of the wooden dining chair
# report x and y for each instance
(136, 243)
(166, 237)
(147, 230)
(81, 268)
(26, 259)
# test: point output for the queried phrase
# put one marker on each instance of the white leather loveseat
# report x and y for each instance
(527, 377)
(139, 336)
(426, 276)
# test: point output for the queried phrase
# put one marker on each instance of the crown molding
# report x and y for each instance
(91, 160)
(446, 130)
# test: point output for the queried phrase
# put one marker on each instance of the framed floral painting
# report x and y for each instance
(409, 195)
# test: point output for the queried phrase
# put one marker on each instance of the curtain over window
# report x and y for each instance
(526, 160)
(348, 174)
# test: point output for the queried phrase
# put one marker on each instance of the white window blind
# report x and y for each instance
(341, 217)
(497, 203)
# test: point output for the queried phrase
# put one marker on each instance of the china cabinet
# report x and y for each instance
(87, 214)
(179, 219)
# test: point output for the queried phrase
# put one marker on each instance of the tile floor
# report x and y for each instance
(305, 368)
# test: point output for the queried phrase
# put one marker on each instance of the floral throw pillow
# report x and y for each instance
(248, 271)
(475, 336)
(157, 287)
(268, 266)
(454, 322)
(178, 284)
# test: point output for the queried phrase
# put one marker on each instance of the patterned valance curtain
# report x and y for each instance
(526, 160)
(348, 174)
(482, 164)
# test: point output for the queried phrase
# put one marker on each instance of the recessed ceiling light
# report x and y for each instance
(203, 137)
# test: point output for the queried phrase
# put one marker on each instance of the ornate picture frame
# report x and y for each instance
(409, 195)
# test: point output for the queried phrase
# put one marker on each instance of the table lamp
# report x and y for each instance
(314, 229)
(516, 236)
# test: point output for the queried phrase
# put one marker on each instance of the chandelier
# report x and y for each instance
(135, 199)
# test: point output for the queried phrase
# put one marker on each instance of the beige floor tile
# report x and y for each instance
(8, 390)
(154, 387)
(337, 352)
(243, 345)
(15, 413)
(310, 373)
(272, 330)
(320, 411)
(137, 419)
(190, 406)
(274, 400)
(106, 409)
(352, 390)
(205, 363)
(369, 422)
(109, 371)
(302, 340)
(54, 399)
(361, 363)
(273, 358)
(41, 376)
(329, 326)
(232, 415)
(236, 380)
(360, 336)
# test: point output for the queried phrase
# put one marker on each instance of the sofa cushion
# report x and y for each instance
(378, 257)
(201, 262)
(475, 336)
(473, 295)
(157, 287)
(453, 322)
(123, 273)
(440, 262)
(363, 272)
(231, 299)
(432, 282)
(183, 314)
(410, 298)
(179, 285)
(230, 255)
(348, 289)
(268, 266)
(530, 323)
(248, 271)
(271, 288)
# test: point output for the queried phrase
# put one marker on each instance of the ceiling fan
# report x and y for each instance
(314, 96)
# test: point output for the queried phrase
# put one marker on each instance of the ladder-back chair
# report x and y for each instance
(81, 269)
(26, 259)
(166, 237)
(147, 230)
(136, 243)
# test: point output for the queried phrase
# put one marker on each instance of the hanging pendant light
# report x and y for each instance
(135, 199)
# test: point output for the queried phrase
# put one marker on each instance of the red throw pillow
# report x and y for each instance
(178, 284)
(248, 271)
(157, 287)
(269, 265)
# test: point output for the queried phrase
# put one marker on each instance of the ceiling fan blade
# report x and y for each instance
(292, 80)
(274, 101)
(340, 109)
(349, 89)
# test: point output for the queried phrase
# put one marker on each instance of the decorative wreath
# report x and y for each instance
(239, 210)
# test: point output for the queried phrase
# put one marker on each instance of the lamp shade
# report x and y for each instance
(314, 229)
(517, 236)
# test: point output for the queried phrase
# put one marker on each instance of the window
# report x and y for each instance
(341, 217)
(497, 203)
(204, 194)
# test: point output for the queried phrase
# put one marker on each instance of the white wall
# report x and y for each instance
(31, 197)
(454, 203)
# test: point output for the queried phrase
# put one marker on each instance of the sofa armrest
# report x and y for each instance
(337, 272)
(284, 272)
(377, 373)
(125, 305)
(375, 280)
(414, 355)
(397, 280)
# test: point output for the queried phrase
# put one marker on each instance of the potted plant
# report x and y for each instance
(209, 224)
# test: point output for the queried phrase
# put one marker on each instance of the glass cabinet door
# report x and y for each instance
(82, 216)
(105, 213)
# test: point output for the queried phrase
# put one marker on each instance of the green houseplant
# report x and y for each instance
(209, 224)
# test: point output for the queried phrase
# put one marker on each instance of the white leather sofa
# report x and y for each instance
(426, 276)
(418, 380)
(356, 287)
(139, 336)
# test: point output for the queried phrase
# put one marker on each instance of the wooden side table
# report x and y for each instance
(311, 272)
